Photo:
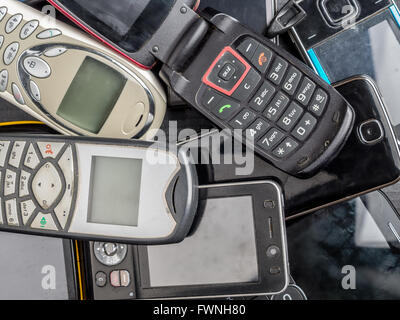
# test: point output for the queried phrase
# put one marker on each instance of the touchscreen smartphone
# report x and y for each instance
(36, 268)
(346, 253)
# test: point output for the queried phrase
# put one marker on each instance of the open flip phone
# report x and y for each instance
(343, 38)
(130, 191)
(238, 249)
(370, 159)
(243, 82)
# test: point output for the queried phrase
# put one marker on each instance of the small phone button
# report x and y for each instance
(10, 53)
(243, 119)
(46, 185)
(247, 86)
(278, 70)
(101, 279)
(12, 212)
(55, 52)
(4, 146)
(336, 11)
(13, 22)
(31, 158)
(10, 182)
(23, 183)
(28, 29)
(49, 33)
(37, 67)
(305, 127)
(16, 153)
(262, 58)
(3, 12)
(3, 80)
(371, 132)
(271, 139)
(286, 148)
(226, 109)
(27, 209)
(50, 149)
(63, 209)
(248, 47)
(35, 91)
(17, 94)
(44, 221)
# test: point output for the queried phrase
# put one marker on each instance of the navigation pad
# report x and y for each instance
(39, 184)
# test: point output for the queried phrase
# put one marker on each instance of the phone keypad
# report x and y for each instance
(39, 183)
(12, 23)
(275, 104)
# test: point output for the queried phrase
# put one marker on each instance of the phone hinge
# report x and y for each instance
(188, 45)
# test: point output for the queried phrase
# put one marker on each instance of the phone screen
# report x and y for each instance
(372, 47)
(344, 253)
(32, 268)
(222, 250)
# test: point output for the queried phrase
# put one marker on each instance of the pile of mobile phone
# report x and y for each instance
(156, 224)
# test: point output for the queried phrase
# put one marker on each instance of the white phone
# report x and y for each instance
(128, 191)
(72, 82)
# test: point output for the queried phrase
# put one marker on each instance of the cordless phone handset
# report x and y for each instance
(89, 188)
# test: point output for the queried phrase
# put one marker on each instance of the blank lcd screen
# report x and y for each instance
(222, 250)
(115, 191)
(92, 95)
(32, 268)
(371, 48)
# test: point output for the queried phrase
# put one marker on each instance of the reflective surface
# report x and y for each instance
(344, 254)
(372, 48)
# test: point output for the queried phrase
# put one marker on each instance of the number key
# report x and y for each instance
(271, 139)
(305, 127)
(257, 129)
(262, 97)
(290, 117)
(243, 119)
(292, 80)
(306, 91)
(277, 107)
(278, 70)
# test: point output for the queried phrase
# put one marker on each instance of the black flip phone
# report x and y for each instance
(369, 160)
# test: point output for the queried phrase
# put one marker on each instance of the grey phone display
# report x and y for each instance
(371, 48)
(32, 268)
(95, 86)
(222, 250)
(115, 191)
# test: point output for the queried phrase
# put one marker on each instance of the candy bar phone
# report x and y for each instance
(73, 83)
(128, 191)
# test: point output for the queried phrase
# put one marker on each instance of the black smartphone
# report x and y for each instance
(343, 38)
(369, 161)
(349, 251)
